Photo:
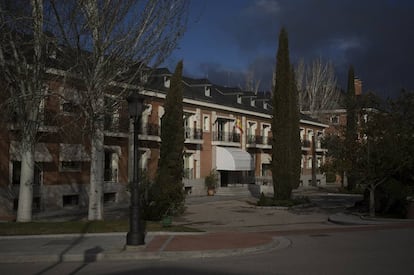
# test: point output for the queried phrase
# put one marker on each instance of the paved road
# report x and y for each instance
(352, 252)
(241, 214)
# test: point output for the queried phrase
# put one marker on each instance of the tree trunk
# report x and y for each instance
(97, 176)
(313, 161)
(372, 201)
(24, 210)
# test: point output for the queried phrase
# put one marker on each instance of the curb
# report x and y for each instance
(149, 234)
(360, 220)
(277, 243)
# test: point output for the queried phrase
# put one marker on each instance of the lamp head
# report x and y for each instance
(135, 104)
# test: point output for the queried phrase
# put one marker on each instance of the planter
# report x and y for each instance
(211, 192)
(166, 221)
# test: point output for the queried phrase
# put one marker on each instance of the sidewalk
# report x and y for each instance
(170, 246)
(111, 246)
(233, 226)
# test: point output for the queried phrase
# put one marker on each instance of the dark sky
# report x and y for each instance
(226, 38)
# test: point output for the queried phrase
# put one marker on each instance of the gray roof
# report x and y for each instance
(226, 96)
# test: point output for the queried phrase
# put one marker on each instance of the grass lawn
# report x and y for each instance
(36, 228)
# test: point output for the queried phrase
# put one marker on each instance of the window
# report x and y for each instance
(69, 107)
(207, 91)
(252, 102)
(251, 131)
(70, 200)
(309, 162)
(265, 133)
(111, 166)
(266, 170)
(70, 166)
(35, 203)
(239, 99)
(166, 81)
(334, 119)
(310, 134)
(206, 123)
(16, 170)
(111, 119)
(70, 101)
(109, 198)
(319, 161)
(144, 77)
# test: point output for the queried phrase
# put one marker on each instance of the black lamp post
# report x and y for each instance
(136, 234)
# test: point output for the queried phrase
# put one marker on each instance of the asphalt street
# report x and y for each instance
(353, 252)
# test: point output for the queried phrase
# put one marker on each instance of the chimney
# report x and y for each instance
(358, 86)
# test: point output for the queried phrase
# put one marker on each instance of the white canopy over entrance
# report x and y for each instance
(233, 159)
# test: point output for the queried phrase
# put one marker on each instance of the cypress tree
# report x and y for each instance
(170, 197)
(286, 152)
(294, 138)
(351, 134)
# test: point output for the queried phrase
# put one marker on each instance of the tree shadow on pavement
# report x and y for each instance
(90, 255)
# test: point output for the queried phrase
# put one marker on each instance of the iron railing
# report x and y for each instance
(226, 136)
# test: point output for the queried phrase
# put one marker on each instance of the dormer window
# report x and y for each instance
(239, 99)
(166, 81)
(144, 77)
(252, 102)
(51, 50)
(207, 91)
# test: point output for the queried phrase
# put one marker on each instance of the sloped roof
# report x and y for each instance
(194, 88)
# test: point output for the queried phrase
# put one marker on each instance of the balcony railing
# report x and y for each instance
(260, 140)
(116, 125)
(150, 129)
(306, 143)
(110, 174)
(193, 134)
(226, 136)
(188, 173)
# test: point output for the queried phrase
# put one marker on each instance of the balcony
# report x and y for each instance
(262, 142)
(306, 144)
(150, 131)
(192, 135)
(226, 136)
(113, 126)
(188, 173)
(110, 175)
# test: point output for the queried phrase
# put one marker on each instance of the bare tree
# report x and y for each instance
(22, 65)
(109, 44)
(317, 86)
(252, 83)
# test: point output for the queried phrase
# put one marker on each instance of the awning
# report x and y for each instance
(233, 159)
(73, 152)
(42, 153)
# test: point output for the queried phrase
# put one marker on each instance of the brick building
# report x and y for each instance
(226, 129)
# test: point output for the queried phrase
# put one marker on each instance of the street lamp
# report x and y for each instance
(136, 234)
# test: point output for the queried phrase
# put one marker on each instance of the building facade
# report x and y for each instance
(226, 129)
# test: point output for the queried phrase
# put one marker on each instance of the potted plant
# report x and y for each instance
(211, 182)
(166, 219)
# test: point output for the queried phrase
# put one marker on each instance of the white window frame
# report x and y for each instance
(206, 123)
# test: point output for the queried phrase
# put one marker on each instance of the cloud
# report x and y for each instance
(269, 7)
(218, 74)
(373, 35)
